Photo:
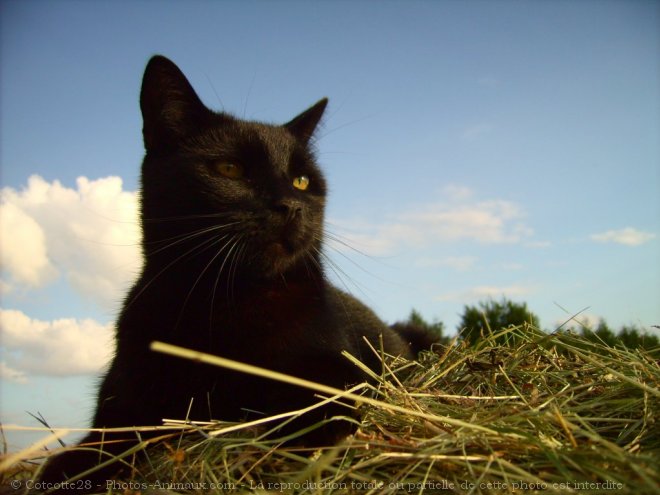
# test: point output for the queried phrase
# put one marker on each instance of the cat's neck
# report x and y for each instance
(223, 276)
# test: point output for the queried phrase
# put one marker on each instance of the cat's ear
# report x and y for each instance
(170, 107)
(304, 125)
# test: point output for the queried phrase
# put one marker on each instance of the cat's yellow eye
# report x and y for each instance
(301, 182)
(229, 170)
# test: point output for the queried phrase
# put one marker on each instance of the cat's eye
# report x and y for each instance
(230, 170)
(301, 182)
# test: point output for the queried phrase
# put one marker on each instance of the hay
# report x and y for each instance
(542, 414)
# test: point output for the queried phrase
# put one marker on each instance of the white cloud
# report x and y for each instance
(628, 236)
(482, 292)
(357, 235)
(538, 244)
(511, 266)
(60, 347)
(455, 192)
(89, 235)
(459, 218)
(579, 321)
(458, 263)
(488, 222)
(12, 375)
(23, 247)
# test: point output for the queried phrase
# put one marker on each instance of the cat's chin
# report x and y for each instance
(279, 257)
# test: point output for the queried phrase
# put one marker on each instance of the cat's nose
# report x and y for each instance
(289, 208)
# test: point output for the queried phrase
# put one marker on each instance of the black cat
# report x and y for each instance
(232, 217)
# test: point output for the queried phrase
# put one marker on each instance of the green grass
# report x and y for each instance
(542, 414)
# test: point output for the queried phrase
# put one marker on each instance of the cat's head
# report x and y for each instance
(224, 190)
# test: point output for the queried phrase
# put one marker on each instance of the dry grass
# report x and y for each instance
(543, 414)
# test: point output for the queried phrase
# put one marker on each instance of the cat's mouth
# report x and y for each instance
(276, 247)
(286, 246)
(281, 252)
(281, 249)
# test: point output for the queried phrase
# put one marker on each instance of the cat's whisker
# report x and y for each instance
(307, 256)
(234, 268)
(339, 239)
(205, 269)
(342, 253)
(339, 272)
(311, 273)
(220, 214)
(236, 239)
(354, 263)
(168, 266)
(354, 282)
(188, 236)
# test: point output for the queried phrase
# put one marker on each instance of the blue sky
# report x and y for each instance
(473, 150)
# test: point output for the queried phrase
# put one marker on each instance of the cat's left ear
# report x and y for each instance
(170, 107)
(304, 125)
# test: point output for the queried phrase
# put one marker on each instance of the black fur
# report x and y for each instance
(232, 267)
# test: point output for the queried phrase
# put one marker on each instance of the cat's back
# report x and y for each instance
(358, 322)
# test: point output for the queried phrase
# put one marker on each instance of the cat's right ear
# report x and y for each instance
(304, 125)
(170, 107)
